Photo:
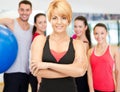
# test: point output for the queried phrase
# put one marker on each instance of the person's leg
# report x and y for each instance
(33, 82)
(24, 82)
(11, 82)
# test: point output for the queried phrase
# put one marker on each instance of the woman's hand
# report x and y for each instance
(37, 66)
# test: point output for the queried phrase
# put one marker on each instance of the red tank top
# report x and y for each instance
(102, 71)
(35, 34)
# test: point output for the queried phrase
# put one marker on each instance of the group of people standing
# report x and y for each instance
(58, 62)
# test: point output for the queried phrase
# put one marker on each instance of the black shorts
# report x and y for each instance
(15, 82)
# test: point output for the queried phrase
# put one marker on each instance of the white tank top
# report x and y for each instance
(24, 38)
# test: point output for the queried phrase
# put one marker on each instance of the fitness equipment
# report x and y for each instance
(8, 48)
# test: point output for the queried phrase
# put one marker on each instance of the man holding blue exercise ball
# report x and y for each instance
(16, 77)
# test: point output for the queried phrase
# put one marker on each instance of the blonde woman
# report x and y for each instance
(57, 58)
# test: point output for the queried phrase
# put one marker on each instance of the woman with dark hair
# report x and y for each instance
(40, 24)
(39, 28)
(105, 62)
(82, 32)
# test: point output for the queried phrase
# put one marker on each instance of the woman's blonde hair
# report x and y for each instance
(63, 8)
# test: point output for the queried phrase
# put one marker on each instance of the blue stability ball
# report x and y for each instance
(8, 48)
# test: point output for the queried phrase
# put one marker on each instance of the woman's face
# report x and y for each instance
(59, 22)
(100, 34)
(79, 27)
(41, 23)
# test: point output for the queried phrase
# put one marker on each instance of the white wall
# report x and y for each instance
(85, 6)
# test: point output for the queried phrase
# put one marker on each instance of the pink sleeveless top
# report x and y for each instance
(102, 71)
(58, 56)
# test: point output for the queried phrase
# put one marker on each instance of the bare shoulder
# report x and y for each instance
(114, 48)
(79, 47)
(115, 52)
(39, 41)
(78, 43)
(90, 51)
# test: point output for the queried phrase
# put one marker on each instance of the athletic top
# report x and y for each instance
(102, 71)
(24, 38)
(57, 55)
(66, 84)
(34, 35)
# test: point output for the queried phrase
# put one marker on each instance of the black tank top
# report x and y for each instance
(66, 84)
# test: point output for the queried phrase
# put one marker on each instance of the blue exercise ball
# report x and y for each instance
(8, 48)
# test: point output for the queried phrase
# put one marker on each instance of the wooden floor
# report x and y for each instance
(1, 87)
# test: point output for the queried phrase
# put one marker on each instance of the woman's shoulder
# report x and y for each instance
(39, 39)
(77, 42)
(79, 45)
(90, 50)
(114, 48)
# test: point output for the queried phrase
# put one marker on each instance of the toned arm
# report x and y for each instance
(89, 73)
(79, 65)
(8, 23)
(116, 53)
(39, 68)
